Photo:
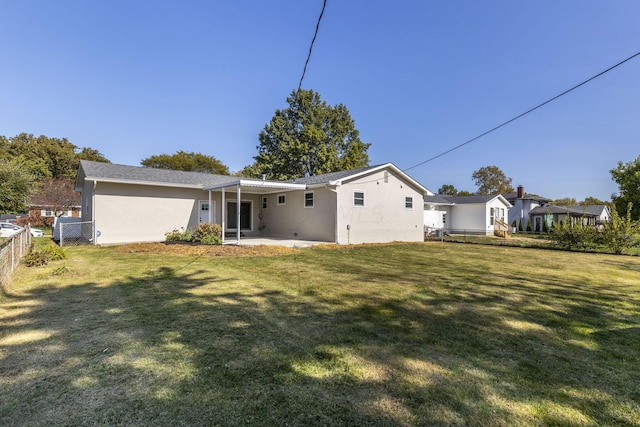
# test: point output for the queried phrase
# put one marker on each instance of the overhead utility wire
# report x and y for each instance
(523, 114)
(304, 71)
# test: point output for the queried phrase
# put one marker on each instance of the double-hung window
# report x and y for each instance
(408, 202)
(308, 199)
(358, 198)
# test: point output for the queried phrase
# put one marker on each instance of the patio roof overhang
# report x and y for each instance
(251, 186)
(258, 186)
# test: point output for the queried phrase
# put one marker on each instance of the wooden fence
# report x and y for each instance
(11, 252)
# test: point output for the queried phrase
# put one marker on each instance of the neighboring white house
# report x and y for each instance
(138, 204)
(476, 214)
(522, 203)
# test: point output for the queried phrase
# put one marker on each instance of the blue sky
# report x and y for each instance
(137, 78)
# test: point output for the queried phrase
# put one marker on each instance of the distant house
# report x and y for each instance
(138, 204)
(43, 210)
(521, 205)
(14, 218)
(550, 214)
(478, 214)
(602, 212)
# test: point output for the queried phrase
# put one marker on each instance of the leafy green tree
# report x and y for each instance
(627, 176)
(16, 184)
(187, 161)
(565, 201)
(58, 194)
(589, 201)
(47, 157)
(491, 180)
(309, 138)
(448, 189)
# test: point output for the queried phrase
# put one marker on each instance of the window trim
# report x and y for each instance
(357, 205)
(264, 202)
(410, 200)
(284, 199)
(313, 199)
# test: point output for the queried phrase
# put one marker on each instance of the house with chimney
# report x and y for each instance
(522, 203)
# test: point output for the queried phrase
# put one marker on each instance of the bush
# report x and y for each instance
(43, 256)
(181, 235)
(207, 229)
(621, 233)
(206, 234)
(211, 239)
(569, 235)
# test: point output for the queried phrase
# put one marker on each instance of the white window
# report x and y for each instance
(492, 214)
(308, 199)
(358, 198)
(264, 202)
(408, 202)
(282, 199)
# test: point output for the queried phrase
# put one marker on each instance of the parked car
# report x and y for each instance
(8, 230)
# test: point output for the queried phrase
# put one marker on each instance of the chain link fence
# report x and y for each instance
(77, 233)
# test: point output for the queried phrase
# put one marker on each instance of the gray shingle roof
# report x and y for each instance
(461, 200)
(124, 173)
(332, 176)
(542, 210)
(438, 199)
(513, 196)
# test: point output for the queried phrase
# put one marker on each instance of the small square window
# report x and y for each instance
(358, 198)
(282, 199)
(264, 202)
(308, 200)
(408, 202)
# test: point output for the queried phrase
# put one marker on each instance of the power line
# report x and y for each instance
(523, 114)
(304, 71)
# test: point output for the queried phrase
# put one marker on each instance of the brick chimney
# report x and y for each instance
(520, 194)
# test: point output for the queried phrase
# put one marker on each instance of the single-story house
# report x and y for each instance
(18, 219)
(138, 204)
(602, 212)
(477, 214)
(551, 213)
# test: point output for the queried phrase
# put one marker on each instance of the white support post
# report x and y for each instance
(222, 215)
(238, 214)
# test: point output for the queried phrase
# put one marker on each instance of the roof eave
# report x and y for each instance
(149, 183)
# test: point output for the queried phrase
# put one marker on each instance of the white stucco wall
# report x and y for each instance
(294, 220)
(139, 213)
(384, 217)
(468, 218)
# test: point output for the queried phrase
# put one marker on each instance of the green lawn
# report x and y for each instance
(403, 334)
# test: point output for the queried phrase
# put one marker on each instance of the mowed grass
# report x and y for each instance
(383, 335)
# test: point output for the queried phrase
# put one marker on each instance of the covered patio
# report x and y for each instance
(253, 187)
